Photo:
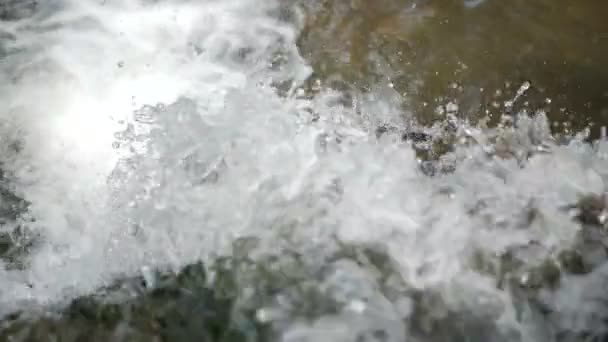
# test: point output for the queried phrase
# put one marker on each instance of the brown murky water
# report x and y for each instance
(441, 52)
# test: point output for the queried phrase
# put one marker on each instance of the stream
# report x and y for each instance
(303, 170)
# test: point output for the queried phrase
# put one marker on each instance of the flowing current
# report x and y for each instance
(153, 134)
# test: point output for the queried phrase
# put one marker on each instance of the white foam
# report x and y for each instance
(74, 86)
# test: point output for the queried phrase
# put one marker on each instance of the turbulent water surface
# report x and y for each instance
(373, 170)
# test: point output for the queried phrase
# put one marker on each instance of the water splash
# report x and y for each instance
(154, 136)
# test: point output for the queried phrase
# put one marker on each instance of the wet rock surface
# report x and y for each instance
(17, 9)
(177, 307)
(16, 239)
(239, 298)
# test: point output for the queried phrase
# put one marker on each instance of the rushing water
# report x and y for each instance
(153, 134)
(475, 55)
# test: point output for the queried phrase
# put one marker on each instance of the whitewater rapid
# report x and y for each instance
(152, 135)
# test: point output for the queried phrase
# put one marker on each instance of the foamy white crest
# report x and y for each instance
(76, 72)
(224, 156)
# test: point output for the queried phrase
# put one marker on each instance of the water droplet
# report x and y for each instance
(451, 107)
(148, 276)
(356, 306)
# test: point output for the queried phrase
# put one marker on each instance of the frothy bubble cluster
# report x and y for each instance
(152, 134)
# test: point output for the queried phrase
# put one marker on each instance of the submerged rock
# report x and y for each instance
(239, 298)
(17, 9)
(182, 307)
(16, 239)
